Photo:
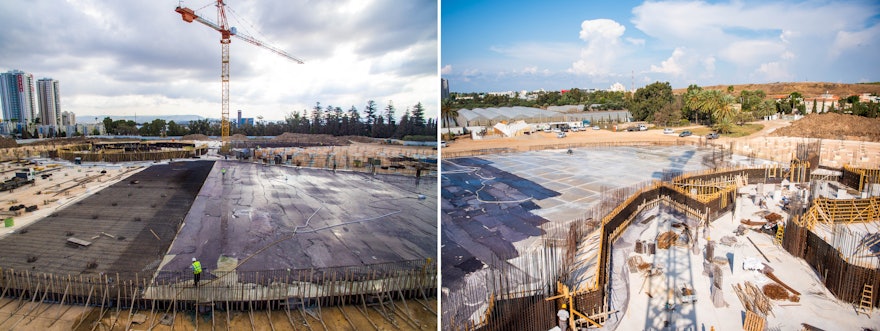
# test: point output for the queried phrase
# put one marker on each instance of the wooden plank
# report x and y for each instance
(79, 241)
(753, 322)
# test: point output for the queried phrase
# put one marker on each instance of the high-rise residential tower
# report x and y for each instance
(17, 96)
(50, 101)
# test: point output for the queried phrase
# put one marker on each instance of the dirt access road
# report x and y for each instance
(598, 137)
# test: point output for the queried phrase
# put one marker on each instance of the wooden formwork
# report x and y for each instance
(830, 211)
(859, 178)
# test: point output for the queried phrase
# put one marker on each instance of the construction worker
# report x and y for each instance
(197, 271)
(563, 317)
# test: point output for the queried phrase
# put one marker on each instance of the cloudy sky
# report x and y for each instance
(126, 57)
(527, 45)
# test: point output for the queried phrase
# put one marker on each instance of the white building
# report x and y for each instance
(823, 102)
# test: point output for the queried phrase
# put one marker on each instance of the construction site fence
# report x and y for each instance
(844, 279)
(272, 289)
(510, 307)
(158, 151)
(412, 164)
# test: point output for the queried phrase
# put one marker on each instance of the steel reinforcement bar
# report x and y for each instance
(271, 289)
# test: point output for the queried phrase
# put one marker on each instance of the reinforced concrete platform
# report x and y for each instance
(130, 225)
(257, 217)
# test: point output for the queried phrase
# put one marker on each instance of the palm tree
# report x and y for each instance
(449, 115)
(725, 112)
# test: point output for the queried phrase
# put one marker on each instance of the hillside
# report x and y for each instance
(807, 89)
(833, 126)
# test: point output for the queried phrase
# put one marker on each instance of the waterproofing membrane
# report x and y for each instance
(278, 217)
(485, 210)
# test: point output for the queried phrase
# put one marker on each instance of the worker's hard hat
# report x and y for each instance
(194, 259)
(564, 306)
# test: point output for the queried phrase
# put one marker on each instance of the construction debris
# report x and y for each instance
(79, 241)
(666, 239)
(751, 223)
(752, 298)
(728, 240)
(773, 217)
(777, 292)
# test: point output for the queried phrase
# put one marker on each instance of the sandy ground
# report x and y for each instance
(408, 315)
(605, 135)
(760, 144)
(682, 268)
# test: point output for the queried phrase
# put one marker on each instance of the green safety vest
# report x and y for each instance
(197, 267)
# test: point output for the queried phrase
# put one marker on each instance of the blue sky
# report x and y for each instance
(527, 45)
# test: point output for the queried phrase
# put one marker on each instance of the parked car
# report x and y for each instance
(632, 128)
(685, 133)
(560, 135)
(642, 127)
(443, 143)
(595, 127)
(575, 129)
(668, 131)
(713, 135)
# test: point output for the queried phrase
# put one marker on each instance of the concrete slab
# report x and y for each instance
(277, 217)
(158, 203)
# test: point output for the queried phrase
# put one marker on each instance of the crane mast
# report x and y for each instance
(226, 34)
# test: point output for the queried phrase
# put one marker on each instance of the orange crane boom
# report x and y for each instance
(226, 32)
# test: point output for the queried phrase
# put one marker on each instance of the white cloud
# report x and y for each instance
(603, 47)
(761, 39)
(672, 65)
(845, 41)
(447, 69)
(751, 52)
(773, 72)
(530, 70)
(354, 51)
(635, 41)
(709, 66)
(601, 29)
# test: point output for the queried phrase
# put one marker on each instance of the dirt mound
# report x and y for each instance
(7, 143)
(61, 141)
(318, 139)
(833, 126)
(198, 136)
(808, 89)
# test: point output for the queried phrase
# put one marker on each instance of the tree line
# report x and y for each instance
(375, 122)
(600, 100)
(655, 103)
(723, 110)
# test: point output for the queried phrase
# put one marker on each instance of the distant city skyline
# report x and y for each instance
(529, 45)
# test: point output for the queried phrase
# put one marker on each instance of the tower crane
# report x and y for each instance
(226, 32)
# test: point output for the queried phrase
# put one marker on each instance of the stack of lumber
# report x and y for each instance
(753, 299)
